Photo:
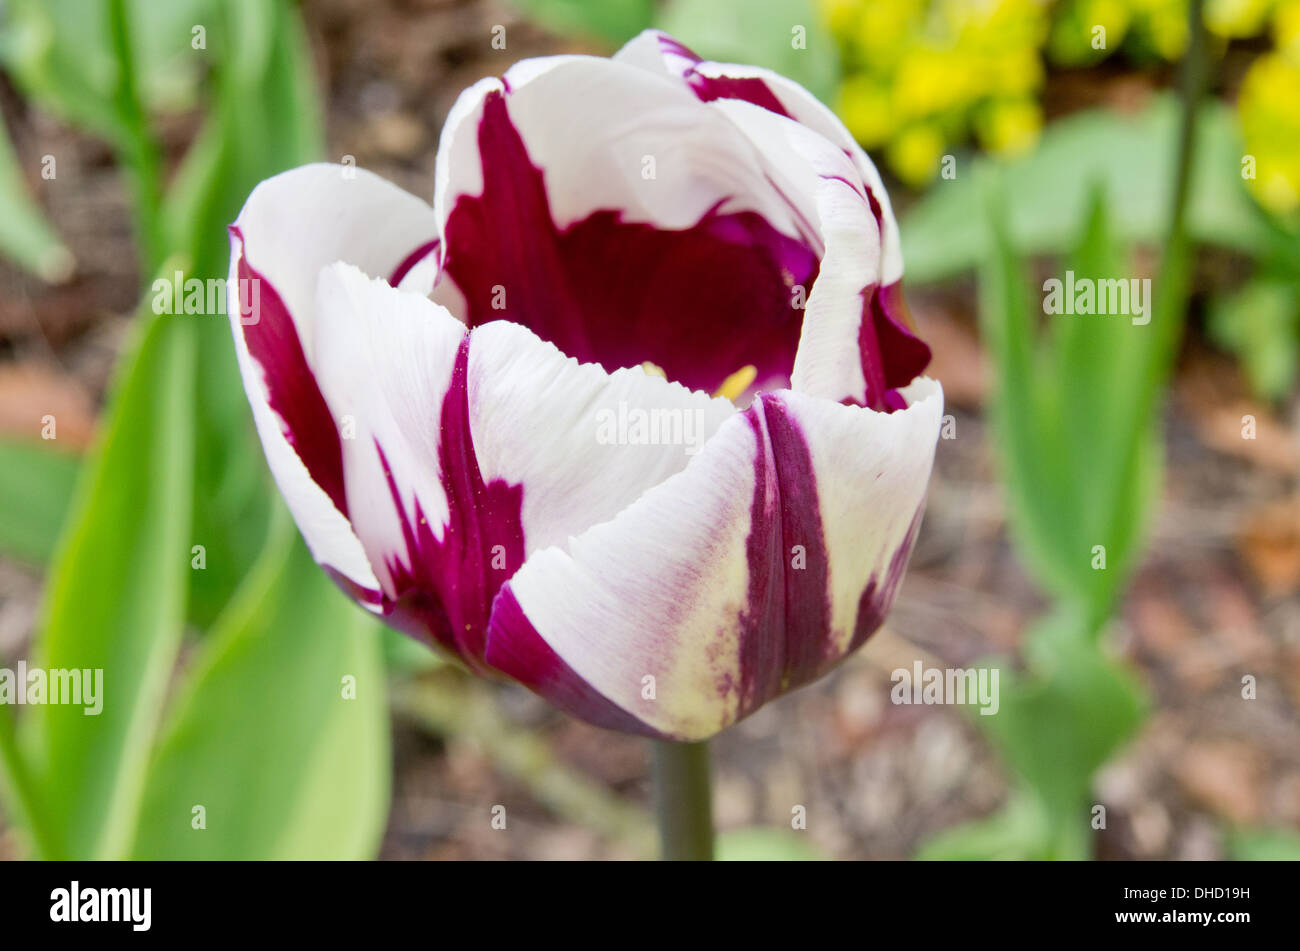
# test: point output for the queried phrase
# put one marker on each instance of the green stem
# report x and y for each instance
(1195, 70)
(683, 800)
(1174, 275)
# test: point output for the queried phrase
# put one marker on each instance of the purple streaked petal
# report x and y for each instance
(411, 260)
(448, 484)
(708, 87)
(518, 651)
(617, 292)
(439, 537)
(605, 438)
(754, 570)
(891, 354)
(291, 226)
(853, 346)
(272, 340)
(658, 52)
(645, 608)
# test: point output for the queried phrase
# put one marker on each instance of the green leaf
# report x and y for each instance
(406, 655)
(1265, 845)
(283, 765)
(614, 21)
(1017, 832)
(1260, 323)
(1105, 436)
(36, 485)
(1073, 410)
(1060, 721)
(761, 33)
(61, 54)
(116, 598)
(761, 844)
(25, 236)
(266, 119)
(1132, 157)
(1025, 417)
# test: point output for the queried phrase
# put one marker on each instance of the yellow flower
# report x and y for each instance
(1270, 125)
(1088, 31)
(915, 153)
(1010, 126)
(865, 107)
(1236, 18)
(1163, 24)
(1286, 29)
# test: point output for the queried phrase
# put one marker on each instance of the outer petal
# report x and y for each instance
(589, 123)
(773, 554)
(848, 348)
(598, 204)
(874, 326)
(656, 51)
(290, 227)
(449, 485)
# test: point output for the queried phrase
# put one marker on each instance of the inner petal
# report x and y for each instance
(703, 302)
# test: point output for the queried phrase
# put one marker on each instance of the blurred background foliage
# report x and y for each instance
(1016, 135)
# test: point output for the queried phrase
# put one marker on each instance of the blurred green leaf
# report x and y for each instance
(1058, 722)
(1265, 845)
(1076, 440)
(1111, 450)
(760, 844)
(36, 485)
(1017, 832)
(406, 655)
(614, 21)
(263, 738)
(761, 33)
(60, 52)
(1038, 478)
(265, 119)
(1260, 323)
(25, 236)
(116, 597)
(1132, 157)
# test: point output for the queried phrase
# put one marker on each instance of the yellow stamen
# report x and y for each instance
(737, 383)
(654, 369)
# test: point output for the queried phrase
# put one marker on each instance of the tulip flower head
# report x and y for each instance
(632, 414)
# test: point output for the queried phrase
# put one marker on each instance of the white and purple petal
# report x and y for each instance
(291, 226)
(776, 552)
(449, 486)
(891, 356)
(606, 209)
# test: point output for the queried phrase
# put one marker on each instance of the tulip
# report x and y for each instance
(632, 414)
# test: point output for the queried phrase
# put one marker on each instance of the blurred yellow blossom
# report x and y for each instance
(1009, 126)
(1286, 29)
(866, 109)
(1087, 31)
(915, 153)
(924, 76)
(1270, 125)
(1237, 18)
